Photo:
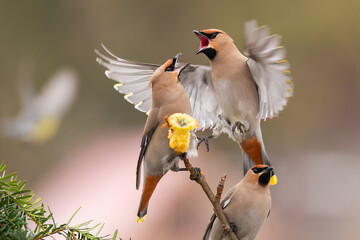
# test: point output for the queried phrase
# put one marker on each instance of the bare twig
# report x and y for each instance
(215, 201)
(220, 188)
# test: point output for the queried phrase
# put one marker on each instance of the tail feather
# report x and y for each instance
(248, 163)
(149, 187)
(254, 151)
(264, 157)
(141, 215)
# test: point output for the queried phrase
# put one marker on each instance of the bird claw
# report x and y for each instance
(227, 230)
(240, 126)
(197, 174)
(205, 140)
(233, 227)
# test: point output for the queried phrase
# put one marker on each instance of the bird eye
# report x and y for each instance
(257, 170)
(213, 35)
(169, 69)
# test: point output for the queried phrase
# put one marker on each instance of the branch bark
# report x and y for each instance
(220, 188)
(215, 200)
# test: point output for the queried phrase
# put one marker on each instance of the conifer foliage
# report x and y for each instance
(18, 209)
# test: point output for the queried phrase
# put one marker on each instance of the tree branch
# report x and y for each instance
(215, 201)
(220, 188)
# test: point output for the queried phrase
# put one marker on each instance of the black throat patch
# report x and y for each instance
(264, 178)
(210, 53)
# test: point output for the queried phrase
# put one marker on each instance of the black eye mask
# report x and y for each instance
(211, 35)
(171, 67)
(257, 170)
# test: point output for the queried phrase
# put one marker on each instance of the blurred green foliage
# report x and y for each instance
(17, 209)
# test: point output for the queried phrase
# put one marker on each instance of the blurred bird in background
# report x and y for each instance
(246, 89)
(166, 96)
(246, 206)
(40, 116)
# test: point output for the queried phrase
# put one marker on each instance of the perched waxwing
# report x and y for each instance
(159, 89)
(246, 206)
(246, 89)
(40, 117)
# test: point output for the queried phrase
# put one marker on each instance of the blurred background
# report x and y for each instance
(314, 144)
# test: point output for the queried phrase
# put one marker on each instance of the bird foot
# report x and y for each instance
(240, 126)
(205, 140)
(197, 174)
(233, 227)
(227, 230)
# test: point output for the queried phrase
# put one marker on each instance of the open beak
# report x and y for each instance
(204, 41)
(179, 70)
(182, 68)
(175, 59)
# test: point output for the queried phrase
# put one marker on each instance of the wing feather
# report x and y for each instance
(133, 81)
(196, 80)
(132, 77)
(269, 68)
(150, 126)
(131, 87)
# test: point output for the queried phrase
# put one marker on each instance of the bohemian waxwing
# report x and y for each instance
(166, 96)
(246, 89)
(246, 206)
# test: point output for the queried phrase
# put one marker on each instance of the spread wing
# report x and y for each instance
(196, 80)
(132, 77)
(269, 69)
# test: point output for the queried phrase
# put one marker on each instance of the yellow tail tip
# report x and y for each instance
(44, 130)
(273, 180)
(141, 220)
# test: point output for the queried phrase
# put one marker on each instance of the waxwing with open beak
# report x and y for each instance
(247, 89)
(167, 96)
